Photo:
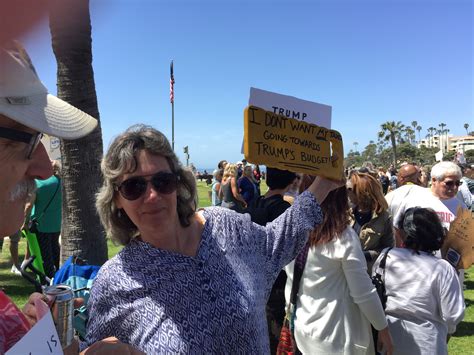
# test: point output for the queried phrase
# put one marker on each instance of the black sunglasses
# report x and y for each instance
(452, 183)
(32, 140)
(135, 187)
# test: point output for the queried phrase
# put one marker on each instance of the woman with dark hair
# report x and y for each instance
(369, 216)
(186, 281)
(336, 301)
(424, 299)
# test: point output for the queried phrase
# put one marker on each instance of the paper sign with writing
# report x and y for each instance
(42, 339)
(289, 144)
(291, 107)
(457, 248)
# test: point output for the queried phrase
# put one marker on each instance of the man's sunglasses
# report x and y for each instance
(135, 187)
(32, 140)
(452, 183)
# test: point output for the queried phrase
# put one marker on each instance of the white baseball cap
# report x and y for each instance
(24, 99)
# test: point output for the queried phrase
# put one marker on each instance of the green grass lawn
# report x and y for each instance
(19, 289)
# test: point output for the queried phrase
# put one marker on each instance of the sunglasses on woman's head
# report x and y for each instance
(133, 188)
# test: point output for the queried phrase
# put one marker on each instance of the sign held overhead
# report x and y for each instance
(290, 144)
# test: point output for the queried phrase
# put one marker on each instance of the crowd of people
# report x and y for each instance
(223, 278)
(429, 305)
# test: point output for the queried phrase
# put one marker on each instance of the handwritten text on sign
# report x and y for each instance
(289, 144)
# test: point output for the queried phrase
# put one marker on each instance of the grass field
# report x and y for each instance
(18, 289)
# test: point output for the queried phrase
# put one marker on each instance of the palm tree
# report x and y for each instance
(466, 127)
(409, 134)
(440, 133)
(355, 146)
(446, 131)
(390, 131)
(81, 231)
(441, 128)
(418, 128)
(414, 124)
(432, 131)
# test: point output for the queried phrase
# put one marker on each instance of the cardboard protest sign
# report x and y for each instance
(458, 246)
(289, 144)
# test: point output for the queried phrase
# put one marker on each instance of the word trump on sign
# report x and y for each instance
(286, 143)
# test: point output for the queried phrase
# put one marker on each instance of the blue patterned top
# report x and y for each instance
(164, 302)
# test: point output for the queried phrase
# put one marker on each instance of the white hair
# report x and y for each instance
(22, 190)
(444, 168)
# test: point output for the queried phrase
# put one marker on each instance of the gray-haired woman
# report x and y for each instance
(186, 281)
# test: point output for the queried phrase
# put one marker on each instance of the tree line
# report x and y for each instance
(397, 143)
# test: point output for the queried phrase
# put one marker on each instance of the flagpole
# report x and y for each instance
(172, 125)
(172, 103)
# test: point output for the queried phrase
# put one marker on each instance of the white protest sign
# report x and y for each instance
(291, 107)
(42, 339)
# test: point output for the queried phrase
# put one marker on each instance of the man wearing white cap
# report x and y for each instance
(26, 112)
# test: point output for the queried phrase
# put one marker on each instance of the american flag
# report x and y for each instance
(171, 83)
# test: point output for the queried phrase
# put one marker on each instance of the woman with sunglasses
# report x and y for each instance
(186, 281)
(424, 298)
(369, 216)
(445, 181)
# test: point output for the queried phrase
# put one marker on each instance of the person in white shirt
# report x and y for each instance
(424, 298)
(336, 301)
(445, 181)
(441, 197)
(409, 196)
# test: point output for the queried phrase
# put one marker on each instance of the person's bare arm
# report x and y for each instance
(385, 341)
(321, 187)
(235, 191)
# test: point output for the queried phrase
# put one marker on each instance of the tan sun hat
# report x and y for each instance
(24, 99)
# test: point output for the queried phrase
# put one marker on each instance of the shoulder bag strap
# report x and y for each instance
(300, 263)
(383, 261)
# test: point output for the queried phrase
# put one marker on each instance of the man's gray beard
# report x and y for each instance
(23, 190)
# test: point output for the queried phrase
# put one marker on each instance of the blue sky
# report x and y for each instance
(372, 61)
